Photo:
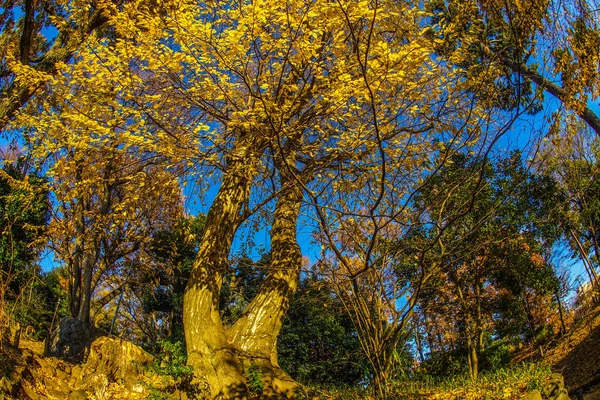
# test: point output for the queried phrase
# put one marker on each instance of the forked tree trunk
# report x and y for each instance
(255, 332)
(209, 352)
(222, 356)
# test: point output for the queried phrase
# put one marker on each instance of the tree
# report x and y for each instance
(160, 287)
(106, 215)
(526, 42)
(503, 230)
(578, 173)
(299, 95)
(275, 93)
(318, 342)
(24, 213)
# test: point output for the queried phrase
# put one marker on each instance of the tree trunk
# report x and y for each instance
(478, 315)
(586, 261)
(255, 332)
(418, 343)
(584, 112)
(86, 287)
(209, 351)
(227, 357)
(472, 357)
(563, 328)
(380, 381)
(76, 260)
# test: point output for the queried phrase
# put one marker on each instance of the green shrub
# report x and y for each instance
(168, 373)
(495, 356)
(512, 383)
(255, 383)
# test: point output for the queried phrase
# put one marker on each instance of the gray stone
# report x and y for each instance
(71, 338)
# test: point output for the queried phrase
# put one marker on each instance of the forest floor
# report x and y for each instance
(25, 373)
(577, 357)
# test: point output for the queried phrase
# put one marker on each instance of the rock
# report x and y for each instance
(178, 394)
(57, 394)
(75, 375)
(71, 338)
(62, 375)
(555, 389)
(6, 386)
(137, 388)
(117, 360)
(30, 393)
(62, 386)
(44, 364)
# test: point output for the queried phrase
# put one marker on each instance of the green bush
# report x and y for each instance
(255, 383)
(494, 357)
(441, 364)
(169, 373)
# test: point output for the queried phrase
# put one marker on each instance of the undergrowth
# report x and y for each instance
(168, 374)
(506, 384)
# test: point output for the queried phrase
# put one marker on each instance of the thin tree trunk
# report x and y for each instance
(418, 343)
(91, 259)
(586, 261)
(472, 356)
(584, 112)
(479, 318)
(560, 313)
(76, 261)
(471, 348)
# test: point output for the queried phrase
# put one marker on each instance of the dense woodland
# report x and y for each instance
(276, 195)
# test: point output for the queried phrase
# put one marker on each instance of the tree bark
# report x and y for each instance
(75, 261)
(584, 112)
(209, 351)
(255, 332)
(472, 357)
(586, 261)
(563, 327)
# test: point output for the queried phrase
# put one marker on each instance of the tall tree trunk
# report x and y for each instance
(86, 287)
(255, 332)
(418, 343)
(209, 351)
(478, 313)
(584, 112)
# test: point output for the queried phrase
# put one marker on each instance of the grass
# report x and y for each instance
(506, 384)
(510, 383)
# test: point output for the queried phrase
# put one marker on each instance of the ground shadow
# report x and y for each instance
(581, 365)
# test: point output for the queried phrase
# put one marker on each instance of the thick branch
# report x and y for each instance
(585, 113)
